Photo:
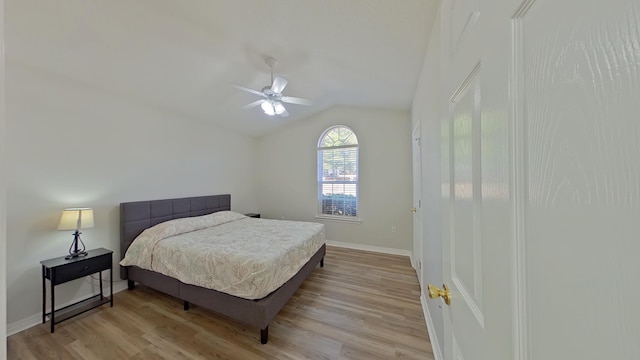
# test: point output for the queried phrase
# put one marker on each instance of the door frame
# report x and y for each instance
(521, 347)
(3, 198)
(418, 241)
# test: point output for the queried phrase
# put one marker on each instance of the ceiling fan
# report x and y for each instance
(272, 98)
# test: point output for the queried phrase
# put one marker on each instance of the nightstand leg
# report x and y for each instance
(44, 296)
(53, 300)
(100, 276)
(111, 285)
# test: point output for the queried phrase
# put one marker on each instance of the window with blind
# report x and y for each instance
(338, 173)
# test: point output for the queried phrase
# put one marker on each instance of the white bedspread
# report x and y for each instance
(227, 251)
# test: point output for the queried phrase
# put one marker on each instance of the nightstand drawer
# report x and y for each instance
(78, 269)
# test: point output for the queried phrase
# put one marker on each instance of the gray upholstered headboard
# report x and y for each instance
(137, 216)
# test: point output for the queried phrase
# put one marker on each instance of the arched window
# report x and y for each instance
(338, 173)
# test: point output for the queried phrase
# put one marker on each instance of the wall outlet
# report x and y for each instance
(393, 229)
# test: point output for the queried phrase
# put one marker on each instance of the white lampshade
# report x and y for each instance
(278, 107)
(268, 108)
(272, 108)
(76, 218)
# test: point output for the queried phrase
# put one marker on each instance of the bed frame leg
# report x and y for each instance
(322, 262)
(131, 284)
(186, 305)
(264, 335)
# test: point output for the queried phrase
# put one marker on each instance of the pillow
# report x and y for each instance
(185, 225)
(222, 217)
(140, 251)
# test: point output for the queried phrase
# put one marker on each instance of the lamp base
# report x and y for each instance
(75, 255)
(74, 250)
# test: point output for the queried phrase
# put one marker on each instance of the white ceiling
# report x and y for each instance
(181, 55)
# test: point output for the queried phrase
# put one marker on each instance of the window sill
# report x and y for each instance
(354, 220)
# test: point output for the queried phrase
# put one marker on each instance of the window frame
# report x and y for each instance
(320, 171)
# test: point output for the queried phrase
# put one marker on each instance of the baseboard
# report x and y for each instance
(372, 248)
(33, 320)
(433, 336)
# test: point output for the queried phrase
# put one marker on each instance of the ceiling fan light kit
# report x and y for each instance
(272, 98)
(272, 108)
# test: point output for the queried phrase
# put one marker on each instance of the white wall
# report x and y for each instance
(287, 168)
(70, 144)
(426, 110)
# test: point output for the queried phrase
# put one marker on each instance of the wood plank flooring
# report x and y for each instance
(361, 305)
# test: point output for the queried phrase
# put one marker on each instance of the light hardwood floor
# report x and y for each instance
(361, 305)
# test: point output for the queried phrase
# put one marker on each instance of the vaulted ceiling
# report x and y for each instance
(181, 55)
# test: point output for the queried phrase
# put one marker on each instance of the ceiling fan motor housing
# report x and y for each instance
(268, 92)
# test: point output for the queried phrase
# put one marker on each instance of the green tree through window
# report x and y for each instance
(338, 172)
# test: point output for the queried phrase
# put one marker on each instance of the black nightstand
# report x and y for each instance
(253, 215)
(60, 270)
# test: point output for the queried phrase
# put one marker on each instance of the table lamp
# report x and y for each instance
(76, 219)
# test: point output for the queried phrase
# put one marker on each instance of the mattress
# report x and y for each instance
(228, 252)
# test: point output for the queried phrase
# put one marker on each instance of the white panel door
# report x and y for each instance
(578, 90)
(478, 223)
(541, 178)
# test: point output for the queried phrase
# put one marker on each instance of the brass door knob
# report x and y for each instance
(413, 210)
(444, 293)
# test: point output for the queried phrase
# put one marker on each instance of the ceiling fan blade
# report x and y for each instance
(259, 93)
(253, 104)
(296, 100)
(285, 113)
(278, 84)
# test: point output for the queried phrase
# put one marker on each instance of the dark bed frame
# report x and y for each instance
(140, 215)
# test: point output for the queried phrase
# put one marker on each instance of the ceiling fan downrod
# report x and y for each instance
(271, 61)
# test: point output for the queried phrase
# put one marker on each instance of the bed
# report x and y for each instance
(136, 217)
